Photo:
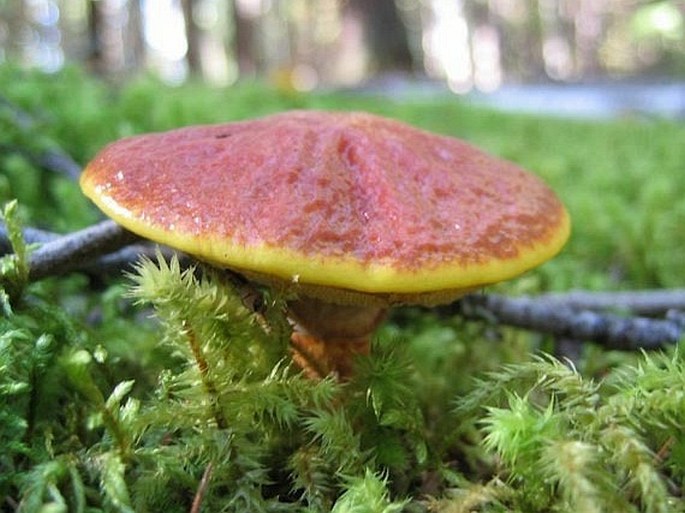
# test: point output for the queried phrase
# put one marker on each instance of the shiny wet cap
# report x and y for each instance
(346, 201)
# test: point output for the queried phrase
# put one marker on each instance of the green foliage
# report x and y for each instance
(150, 393)
(234, 385)
(38, 412)
(566, 443)
(14, 267)
(229, 405)
(366, 494)
(230, 408)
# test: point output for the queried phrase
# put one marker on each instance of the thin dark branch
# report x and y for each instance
(611, 330)
(123, 260)
(73, 251)
(31, 236)
(568, 349)
(58, 161)
(54, 159)
(108, 264)
(643, 302)
(22, 119)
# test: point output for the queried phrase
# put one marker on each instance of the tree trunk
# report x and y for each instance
(244, 42)
(193, 38)
(385, 34)
(95, 59)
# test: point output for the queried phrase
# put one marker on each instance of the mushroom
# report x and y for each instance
(348, 212)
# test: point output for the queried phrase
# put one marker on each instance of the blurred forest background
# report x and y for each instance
(305, 44)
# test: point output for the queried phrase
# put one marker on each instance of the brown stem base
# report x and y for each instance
(319, 359)
(328, 337)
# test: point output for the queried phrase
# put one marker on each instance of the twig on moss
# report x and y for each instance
(54, 159)
(31, 236)
(22, 119)
(676, 316)
(642, 302)
(107, 264)
(124, 259)
(568, 349)
(611, 330)
(57, 161)
(73, 251)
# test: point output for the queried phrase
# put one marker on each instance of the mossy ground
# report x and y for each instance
(105, 408)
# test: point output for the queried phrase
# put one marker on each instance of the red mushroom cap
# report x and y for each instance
(346, 201)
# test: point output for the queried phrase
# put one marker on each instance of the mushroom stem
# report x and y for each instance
(328, 337)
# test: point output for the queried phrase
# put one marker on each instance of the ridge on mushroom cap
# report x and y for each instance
(330, 199)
